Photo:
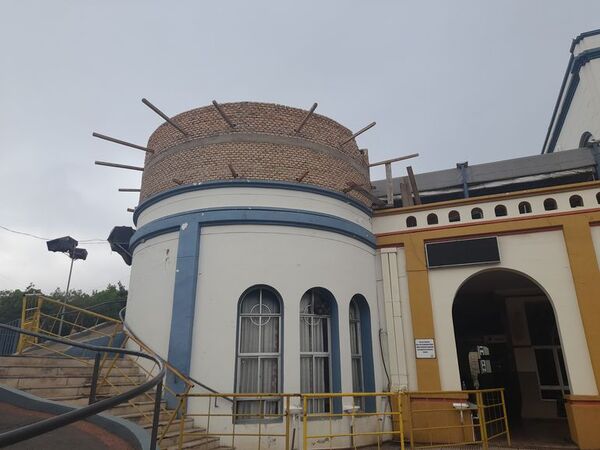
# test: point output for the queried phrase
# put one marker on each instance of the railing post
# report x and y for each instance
(482, 425)
(401, 420)
(304, 423)
(505, 417)
(95, 375)
(156, 416)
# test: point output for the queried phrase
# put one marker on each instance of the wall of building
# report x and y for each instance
(290, 260)
(253, 197)
(395, 221)
(151, 284)
(543, 258)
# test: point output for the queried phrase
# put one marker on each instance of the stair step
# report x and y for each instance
(48, 361)
(127, 408)
(61, 381)
(193, 434)
(49, 371)
(206, 443)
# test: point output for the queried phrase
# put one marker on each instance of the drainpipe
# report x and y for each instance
(463, 174)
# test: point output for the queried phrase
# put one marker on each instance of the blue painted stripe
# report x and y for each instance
(266, 184)
(253, 216)
(184, 307)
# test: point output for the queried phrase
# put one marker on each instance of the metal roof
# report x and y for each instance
(581, 160)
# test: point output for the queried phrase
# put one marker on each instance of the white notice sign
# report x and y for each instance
(425, 348)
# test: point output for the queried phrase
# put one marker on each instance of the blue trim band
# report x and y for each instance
(575, 65)
(253, 216)
(184, 307)
(251, 184)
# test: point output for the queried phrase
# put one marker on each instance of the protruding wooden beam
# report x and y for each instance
(119, 141)
(306, 117)
(359, 132)
(393, 160)
(301, 177)
(357, 187)
(223, 115)
(413, 185)
(118, 166)
(407, 199)
(130, 210)
(234, 174)
(164, 116)
(177, 181)
(129, 190)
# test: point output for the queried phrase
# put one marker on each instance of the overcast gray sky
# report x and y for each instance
(452, 80)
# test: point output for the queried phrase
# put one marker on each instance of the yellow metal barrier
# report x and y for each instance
(352, 425)
(245, 420)
(455, 418)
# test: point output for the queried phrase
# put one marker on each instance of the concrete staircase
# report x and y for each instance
(68, 380)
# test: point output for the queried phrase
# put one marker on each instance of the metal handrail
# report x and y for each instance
(52, 423)
(186, 378)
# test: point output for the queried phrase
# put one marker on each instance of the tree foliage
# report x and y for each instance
(103, 301)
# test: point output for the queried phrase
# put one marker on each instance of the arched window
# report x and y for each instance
(524, 208)
(259, 349)
(576, 201)
(319, 347)
(361, 352)
(453, 216)
(550, 204)
(432, 219)
(476, 213)
(500, 211)
(585, 139)
(411, 221)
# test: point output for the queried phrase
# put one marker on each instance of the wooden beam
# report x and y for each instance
(129, 190)
(118, 166)
(234, 174)
(119, 141)
(306, 117)
(301, 177)
(407, 199)
(177, 181)
(359, 132)
(164, 116)
(413, 185)
(223, 115)
(358, 188)
(130, 210)
(388, 161)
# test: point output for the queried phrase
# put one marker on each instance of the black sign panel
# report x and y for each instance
(464, 252)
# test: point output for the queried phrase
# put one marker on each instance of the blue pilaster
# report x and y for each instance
(184, 306)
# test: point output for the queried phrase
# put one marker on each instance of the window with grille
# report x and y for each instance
(259, 351)
(315, 346)
(356, 353)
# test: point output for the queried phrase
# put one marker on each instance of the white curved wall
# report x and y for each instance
(253, 197)
(543, 257)
(291, 260)
(151, 285)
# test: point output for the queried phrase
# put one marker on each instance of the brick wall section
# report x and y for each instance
(254, 160)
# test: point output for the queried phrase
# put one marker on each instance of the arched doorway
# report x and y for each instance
(507, 336)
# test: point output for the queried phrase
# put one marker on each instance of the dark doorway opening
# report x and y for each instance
(507, 337)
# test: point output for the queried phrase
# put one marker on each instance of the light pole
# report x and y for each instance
(68, 246)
